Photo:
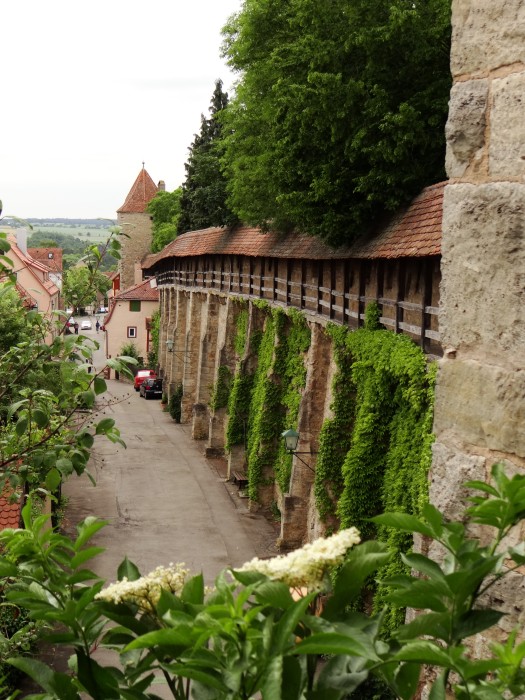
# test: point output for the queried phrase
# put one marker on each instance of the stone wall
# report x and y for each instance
(139, 229)
(480, 394)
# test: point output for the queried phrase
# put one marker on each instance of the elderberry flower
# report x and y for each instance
(145, 591)
(307, 567)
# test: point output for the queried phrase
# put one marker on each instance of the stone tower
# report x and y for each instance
(135, 221)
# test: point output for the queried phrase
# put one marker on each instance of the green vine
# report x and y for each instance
(375, 451)
(242, 331)
(221, 389)
(334, 438)
(153, 354)
(259, 404)
(175, 404)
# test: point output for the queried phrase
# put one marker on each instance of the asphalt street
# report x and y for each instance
(164, 502)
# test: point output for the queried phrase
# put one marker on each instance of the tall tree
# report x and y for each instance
(339, 111)
(203, 201)
(165, 210)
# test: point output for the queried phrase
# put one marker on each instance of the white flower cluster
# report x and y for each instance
(307, 567)
(145, 591)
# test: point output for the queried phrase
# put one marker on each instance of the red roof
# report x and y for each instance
(142, 192)
(415, 232)
(143, 291)
(54, 263)
(9, 513)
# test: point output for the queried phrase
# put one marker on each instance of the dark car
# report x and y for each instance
(151, 389)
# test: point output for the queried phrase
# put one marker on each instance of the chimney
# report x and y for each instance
(21, 239)
(162, 186)
(138, 272)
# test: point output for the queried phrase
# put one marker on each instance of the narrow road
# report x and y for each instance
(163, 500)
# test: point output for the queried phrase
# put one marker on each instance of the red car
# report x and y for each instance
(143, 374)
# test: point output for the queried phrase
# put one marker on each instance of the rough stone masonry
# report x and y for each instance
(480, 395)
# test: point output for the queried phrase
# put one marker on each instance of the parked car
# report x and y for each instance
(151, 388)
(143, 374)
(86, 325)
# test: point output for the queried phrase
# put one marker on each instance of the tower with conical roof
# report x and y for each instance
(136, 223)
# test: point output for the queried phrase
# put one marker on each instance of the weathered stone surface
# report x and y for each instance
(465, 129)
(450, 470)
(483, 404)
(483, 267)
(486, 35)
(507, 127)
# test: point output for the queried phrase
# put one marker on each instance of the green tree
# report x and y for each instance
(80, 286)
(203, 201)
(165, 210)
(339, 112)
(13, 326)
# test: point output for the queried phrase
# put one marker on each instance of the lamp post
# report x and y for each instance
(169, 345)
(291, 440)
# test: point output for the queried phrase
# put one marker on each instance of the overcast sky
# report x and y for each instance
(89, 90)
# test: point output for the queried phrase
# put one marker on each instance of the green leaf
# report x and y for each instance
(361, 562)
(104, 425)
(431, 624)
(85, 555)
(193, 590)
(86, 529)
(53, 479)
(274, 593)
(424, 653)
(424, 565)
(21, 426)
(273, 679)
(40, 418)
(99, 385)
(438, 690)
(332, 643)
(474, 622)
(87, 399)
(287, 624)
(65, 466)
(59, 685)
(127, 569)
(180, 636)
(404, 522)
(407, 679)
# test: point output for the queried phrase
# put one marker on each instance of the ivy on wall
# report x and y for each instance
(259, 405)
(334, 438)
(153, 354)
(221, 389)
(375, 450)
(241, 386)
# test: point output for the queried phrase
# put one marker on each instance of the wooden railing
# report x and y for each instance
(340, 306)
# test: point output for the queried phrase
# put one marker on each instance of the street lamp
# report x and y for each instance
(169, 345)
(291, 440)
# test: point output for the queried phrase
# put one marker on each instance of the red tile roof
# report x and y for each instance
(142, 192)
(414, 232)
(42, 255)
(143, 291)
(9, 513)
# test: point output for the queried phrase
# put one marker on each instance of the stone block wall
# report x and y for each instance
(139, 229)
(480, 394)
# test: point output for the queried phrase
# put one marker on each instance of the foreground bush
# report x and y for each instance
(264, 627)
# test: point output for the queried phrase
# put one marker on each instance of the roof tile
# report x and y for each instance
(414, 232)
(140, 195)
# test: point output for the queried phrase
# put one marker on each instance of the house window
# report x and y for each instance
(50, 256)
(134, 305)
(132, 331)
